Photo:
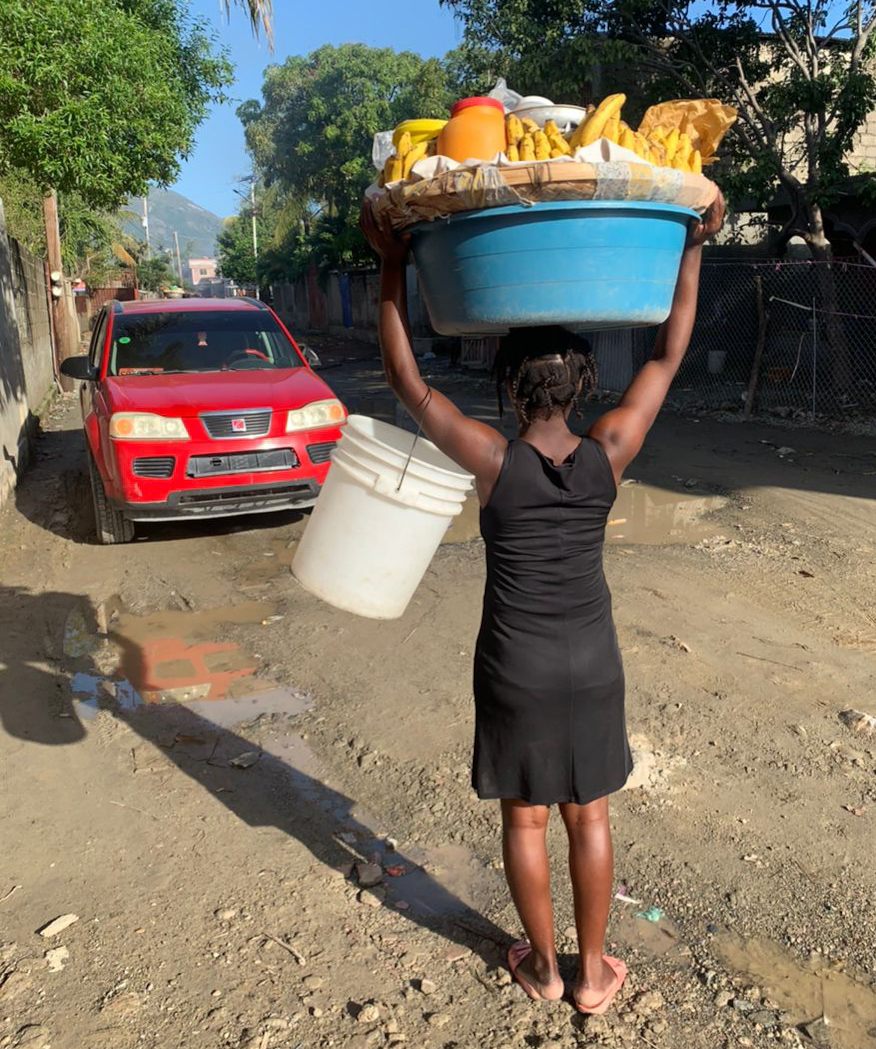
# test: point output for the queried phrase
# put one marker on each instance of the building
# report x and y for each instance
(201, 269)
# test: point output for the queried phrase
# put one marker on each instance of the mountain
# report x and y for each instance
(196, 227)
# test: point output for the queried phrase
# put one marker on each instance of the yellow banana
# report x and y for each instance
(685, 147)
(513, 153)
(671, 145)
(417, 153)
(628, 139)
(612, 130)
(607, 109)
(658, 134)
(527, 148)
(556, 153)
(513, 130)
(530, 126)
(404, 145)
(559, 144)
(550, 128)
(392, 170)
(696, 162)
(679, 163)
(542, 145)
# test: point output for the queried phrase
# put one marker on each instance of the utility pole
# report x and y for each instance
(255, 238)
(146, 225)
(178, 260)
(63, 342)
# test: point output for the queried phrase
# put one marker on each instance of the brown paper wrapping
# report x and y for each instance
(491, 186)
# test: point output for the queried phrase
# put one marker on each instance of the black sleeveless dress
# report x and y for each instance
(548, 676)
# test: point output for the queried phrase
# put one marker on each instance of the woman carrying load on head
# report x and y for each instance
(548, 676)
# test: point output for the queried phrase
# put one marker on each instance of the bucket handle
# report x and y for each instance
(381, 485)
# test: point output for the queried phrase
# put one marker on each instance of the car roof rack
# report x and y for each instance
(254, 302)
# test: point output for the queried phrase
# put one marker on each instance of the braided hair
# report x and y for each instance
(545, 369)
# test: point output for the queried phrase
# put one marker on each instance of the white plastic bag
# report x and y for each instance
(509, 99)
(382, 149)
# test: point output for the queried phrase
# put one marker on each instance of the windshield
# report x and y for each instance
(200, 341)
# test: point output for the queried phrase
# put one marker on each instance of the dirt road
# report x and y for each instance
(195, 754)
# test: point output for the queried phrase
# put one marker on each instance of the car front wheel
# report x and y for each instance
(112, 526)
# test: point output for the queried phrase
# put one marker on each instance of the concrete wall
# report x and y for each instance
(26, 355)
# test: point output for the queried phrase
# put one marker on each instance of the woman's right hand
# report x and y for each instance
(392, 247)
(711, 222)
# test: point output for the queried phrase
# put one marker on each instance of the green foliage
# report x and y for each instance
(156, 272)
(311, 138)
(100, 97)
(801, 75)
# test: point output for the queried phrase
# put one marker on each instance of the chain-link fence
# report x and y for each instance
(783, 337)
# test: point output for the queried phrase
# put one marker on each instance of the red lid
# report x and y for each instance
(464, 103)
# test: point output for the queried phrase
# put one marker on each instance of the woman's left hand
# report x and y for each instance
(392, 247)
(711, 222)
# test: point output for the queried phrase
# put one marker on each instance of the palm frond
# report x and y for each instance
(260, 14)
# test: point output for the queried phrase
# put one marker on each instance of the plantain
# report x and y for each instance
(658, 134)
(612, 129)
(392, 170)
(550, 128)
(685, 147)
(696, 162)
(628, 138)
(594, 128)
(559, 144)
(671, 145)
(411, 158)
(513, 130)
(529, 126)
(679, 163)
(513, 153)
(527, 148)
(542, 145)
(557, 153)
(404, 145)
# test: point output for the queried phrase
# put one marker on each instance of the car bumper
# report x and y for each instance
(175, 481)
(224, 502)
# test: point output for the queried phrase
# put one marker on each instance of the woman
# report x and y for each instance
(548, 678)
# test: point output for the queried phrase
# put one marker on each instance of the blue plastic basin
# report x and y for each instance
(587, 264)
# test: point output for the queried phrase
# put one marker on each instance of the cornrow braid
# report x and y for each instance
(544, 369)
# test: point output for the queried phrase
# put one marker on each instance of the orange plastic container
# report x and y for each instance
(475, 131)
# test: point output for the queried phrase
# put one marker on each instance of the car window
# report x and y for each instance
(97, 339)
(199, 341)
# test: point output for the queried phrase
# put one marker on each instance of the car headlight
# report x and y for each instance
(144, 426)
(316, 415)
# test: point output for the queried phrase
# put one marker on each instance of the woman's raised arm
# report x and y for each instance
(622, 431)
(475, 446)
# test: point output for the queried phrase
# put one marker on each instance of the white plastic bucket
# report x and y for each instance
(370, 539)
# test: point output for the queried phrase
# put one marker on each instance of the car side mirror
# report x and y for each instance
(311, 356)
(79, 368)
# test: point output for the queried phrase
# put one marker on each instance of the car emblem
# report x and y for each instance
(238, 425)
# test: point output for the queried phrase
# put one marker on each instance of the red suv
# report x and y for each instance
(200, 408)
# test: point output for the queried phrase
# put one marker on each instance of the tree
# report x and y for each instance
(801, 75)
(155, 272)
(236, 258)
(101, 97)
(311, 135)
(260, 13)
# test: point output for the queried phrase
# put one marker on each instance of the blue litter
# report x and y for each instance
(652, 914)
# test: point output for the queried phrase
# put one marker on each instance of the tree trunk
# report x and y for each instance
(831, 325)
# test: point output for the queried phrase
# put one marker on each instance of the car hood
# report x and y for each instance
(187, 395)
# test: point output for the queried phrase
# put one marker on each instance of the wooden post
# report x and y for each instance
(178, 260)
(63, 342)
(758, 352)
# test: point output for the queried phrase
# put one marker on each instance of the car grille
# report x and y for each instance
(247, 423)
(244, 462)
(254, 496)
(156, 467)
(321, 453)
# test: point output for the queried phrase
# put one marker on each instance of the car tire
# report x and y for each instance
(112, 526)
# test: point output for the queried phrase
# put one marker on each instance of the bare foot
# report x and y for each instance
(589, 992)
(538, 981)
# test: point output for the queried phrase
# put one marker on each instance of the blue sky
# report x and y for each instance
(300, 26)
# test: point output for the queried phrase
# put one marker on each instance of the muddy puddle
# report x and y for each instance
(642, 515)
(646, 515)
(807, 993)
(209, 705)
